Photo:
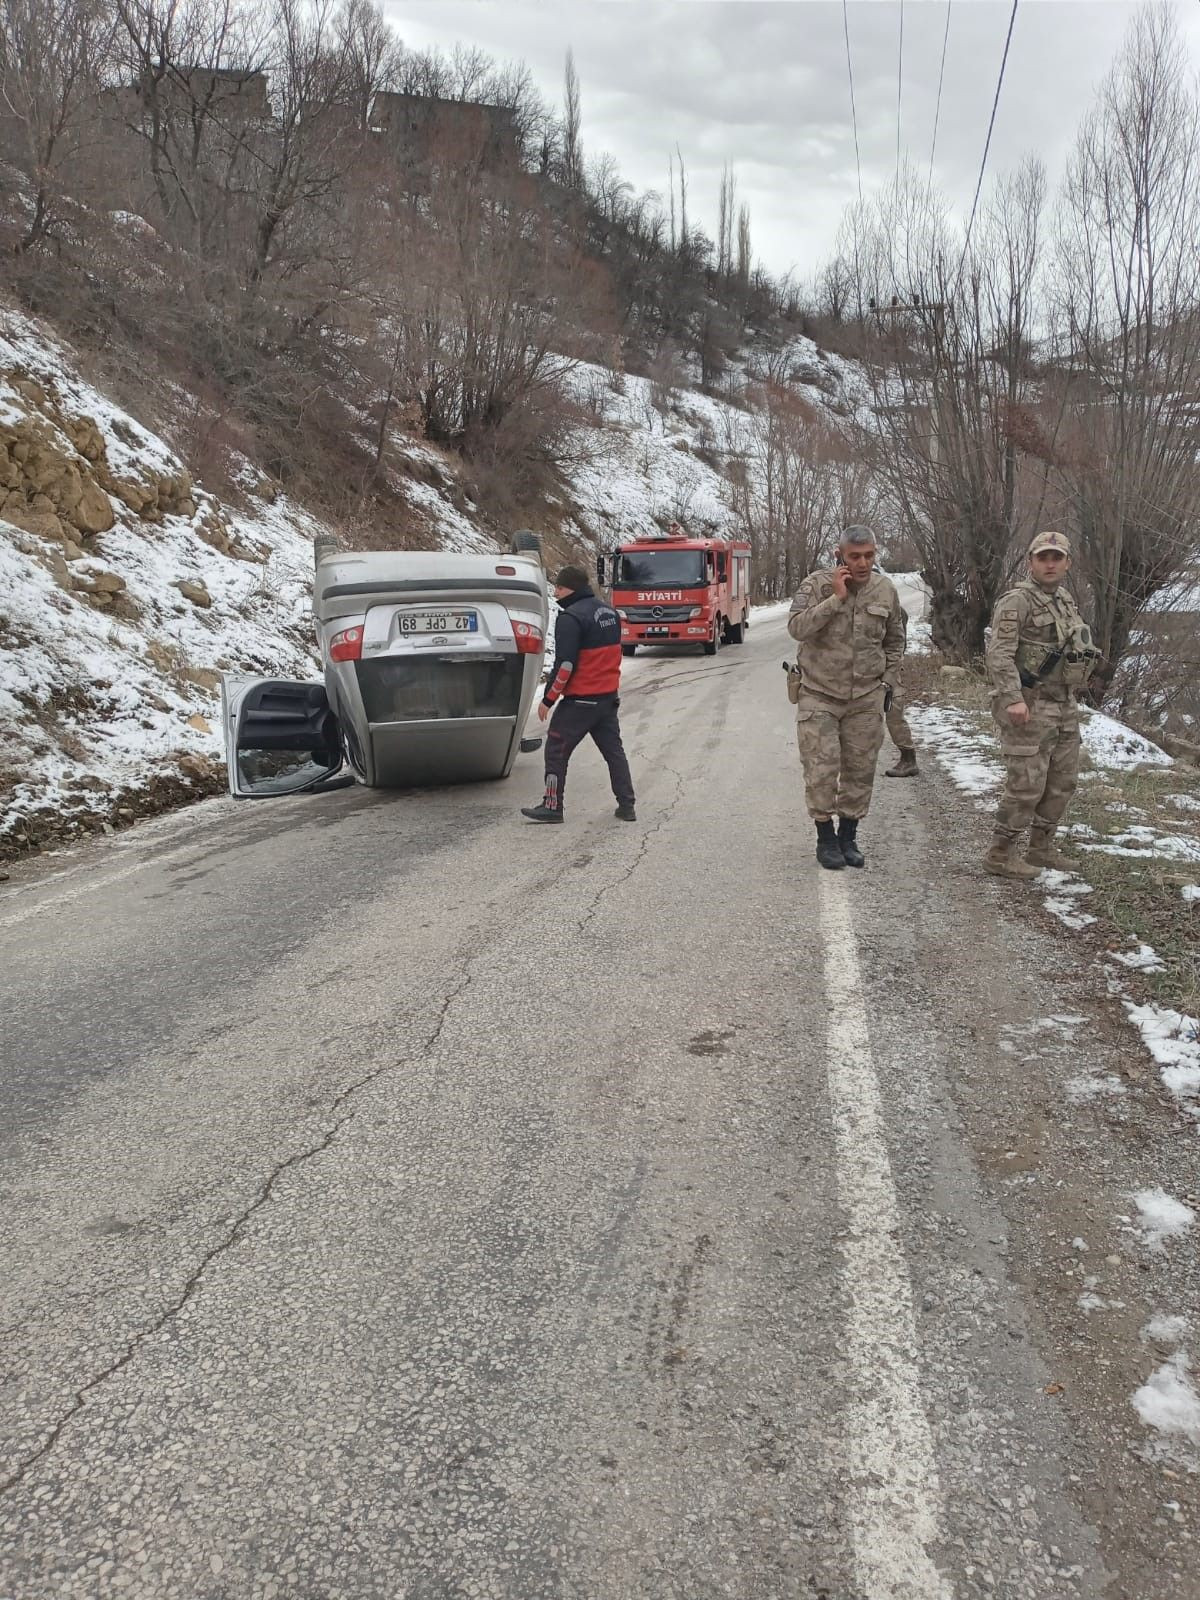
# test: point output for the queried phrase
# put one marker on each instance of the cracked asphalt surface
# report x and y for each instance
(399, 1200)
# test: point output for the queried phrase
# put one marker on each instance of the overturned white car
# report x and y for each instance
(431, 665)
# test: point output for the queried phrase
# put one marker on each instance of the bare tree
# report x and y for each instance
(683, 216)
(671, 192)
(950, 367)
(54, 56)
(490, 313)
(797, 483)
(572, 146)
(1129, 304)
(725, 207)
(834, 287)
(371, 53)
(743, 250)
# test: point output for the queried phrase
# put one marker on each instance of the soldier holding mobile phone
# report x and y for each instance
(849, 627)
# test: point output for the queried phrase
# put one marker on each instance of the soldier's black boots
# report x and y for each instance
(847, 831)
(829, 851)
(906, 767)
(541, 814)
(626, 813)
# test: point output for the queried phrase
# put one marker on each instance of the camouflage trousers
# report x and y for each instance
(1041, 763)
(839, 746)
(898, 729)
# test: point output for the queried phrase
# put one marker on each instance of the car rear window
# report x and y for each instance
(424, 688)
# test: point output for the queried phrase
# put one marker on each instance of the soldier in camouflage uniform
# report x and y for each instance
(850, 631)
(898, 729)
(1039, 655)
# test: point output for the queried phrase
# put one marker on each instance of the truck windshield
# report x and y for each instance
(660, 569)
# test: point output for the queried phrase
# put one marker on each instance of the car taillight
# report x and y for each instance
(347, 645)
(529, 639)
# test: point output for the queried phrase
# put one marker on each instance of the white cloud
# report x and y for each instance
(764, 86)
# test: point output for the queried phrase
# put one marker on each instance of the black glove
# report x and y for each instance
(889, 694)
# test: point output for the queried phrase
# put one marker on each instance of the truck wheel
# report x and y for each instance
(525, 543)
(712, 645)
(628, 649)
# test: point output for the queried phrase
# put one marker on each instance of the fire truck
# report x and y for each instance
(672, 589)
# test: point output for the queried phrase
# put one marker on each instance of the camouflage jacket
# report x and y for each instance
(1029, 624)
(847, 647)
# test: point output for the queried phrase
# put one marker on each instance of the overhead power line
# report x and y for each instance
(899, 87)
(988, 142)
(853, 112)
(941, 75)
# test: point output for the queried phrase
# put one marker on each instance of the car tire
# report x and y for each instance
(711, 646)
(525, 542)
(628, 649)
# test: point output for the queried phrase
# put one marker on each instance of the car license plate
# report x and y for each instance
(658, 630)
(437, 622)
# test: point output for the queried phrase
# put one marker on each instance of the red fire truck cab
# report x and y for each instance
(672, 589)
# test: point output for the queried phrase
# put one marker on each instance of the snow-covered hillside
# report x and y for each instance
(649, 456)
(124, 590)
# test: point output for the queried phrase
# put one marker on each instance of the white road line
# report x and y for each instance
(894, 1502)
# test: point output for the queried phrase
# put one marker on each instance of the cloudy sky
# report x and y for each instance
(763, 85)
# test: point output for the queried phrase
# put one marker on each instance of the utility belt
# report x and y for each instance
(795, 685)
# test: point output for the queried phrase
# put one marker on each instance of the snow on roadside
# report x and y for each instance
(1111, 744)
(1168, 1402)
(968, 756)
(1161, 1216)
(1173, 1039)
(1144, 959)
(967, 752)
(1139, 842)
(1164, 1328)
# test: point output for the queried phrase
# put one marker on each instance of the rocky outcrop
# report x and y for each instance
(195, 592)
(48, 484)
(152, 496)
(57, 481)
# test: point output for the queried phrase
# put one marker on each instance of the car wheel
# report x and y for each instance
(525, 542)
(628, 649)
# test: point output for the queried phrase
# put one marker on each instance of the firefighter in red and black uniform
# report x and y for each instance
(583, 694)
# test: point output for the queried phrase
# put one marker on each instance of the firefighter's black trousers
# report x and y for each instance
(572, 721)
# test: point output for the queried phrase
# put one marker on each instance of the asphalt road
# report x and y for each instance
(399, 1200)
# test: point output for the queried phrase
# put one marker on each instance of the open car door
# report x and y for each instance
(280, 737)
